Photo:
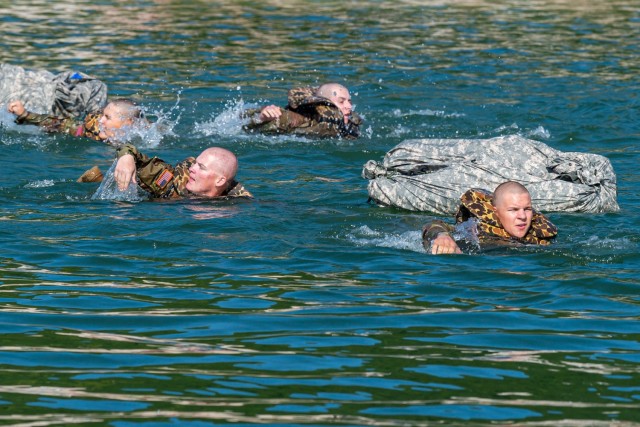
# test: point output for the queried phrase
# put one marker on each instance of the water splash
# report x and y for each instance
(623, 243)
(8, 124)
(227, 123)
(163, 125)
(149, 133)
(109, 190)
(428, 112)
(539, 132)
(365, 236)
(40, 184)
(400, 130)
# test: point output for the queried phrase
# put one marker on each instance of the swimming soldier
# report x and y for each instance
(107, 125)
(211, 175)
(504, 218)
(322, 112)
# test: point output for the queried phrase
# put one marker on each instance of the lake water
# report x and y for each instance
(307, 305)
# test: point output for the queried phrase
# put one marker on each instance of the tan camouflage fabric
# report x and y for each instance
(307, 115)
(161, 180)
(69, 94)
(477, 203)
(88, 128)
(430, 174)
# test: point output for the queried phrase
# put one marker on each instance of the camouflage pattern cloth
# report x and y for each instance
(89, 128)
(307, 115)
(67, 94)
(430, 174)
(478, 204)
(162, 180)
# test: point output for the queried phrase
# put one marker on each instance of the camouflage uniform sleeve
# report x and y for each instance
(51, 123)
(286, 123)
(140, 158)
(431, 231)
(154, 174)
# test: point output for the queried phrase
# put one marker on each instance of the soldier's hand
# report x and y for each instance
(16, 107)
(125, 171)
(270, 113)
(444, 244)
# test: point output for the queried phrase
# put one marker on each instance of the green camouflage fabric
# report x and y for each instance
(88, 128)
(69, 94)
(431, 174)
(161, 180)
(307, 115)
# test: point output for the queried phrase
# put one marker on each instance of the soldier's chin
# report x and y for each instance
(520, 233)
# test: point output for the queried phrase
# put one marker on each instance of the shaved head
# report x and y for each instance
(116, 116)
(512, 207)
(331, 90)
(127, 108)
(223, 161)
(508, 187)
(212, 172)
(339, 96)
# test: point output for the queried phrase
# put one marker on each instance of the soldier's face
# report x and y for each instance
(113, 119)
(514, 212)
(203, 177)
(341, 98)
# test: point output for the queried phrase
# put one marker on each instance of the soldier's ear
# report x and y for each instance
(221, 181)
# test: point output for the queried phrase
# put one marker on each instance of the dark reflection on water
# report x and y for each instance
(307, 305)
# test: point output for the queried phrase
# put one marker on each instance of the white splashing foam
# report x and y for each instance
(40, 184)
(108, 189)
(365, 236)
(427, 112)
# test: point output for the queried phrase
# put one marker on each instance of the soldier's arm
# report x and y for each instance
(132, 163)
(139, 157)
(260, 116)
(437, 239)
(285, 122)
(51, 123)
(129, 160)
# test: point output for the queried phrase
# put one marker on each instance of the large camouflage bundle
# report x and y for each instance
(431, 174)
(67, 94)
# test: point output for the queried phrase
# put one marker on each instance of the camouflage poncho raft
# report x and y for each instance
(307, 115)
(69, 94)
(477, 205)
(430, 174)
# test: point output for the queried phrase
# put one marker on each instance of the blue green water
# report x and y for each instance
(308, 306)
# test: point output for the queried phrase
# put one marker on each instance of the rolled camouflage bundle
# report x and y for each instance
(431, 174)
(67, 94)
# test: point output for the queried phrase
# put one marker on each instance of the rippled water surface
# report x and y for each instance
(308, 306)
